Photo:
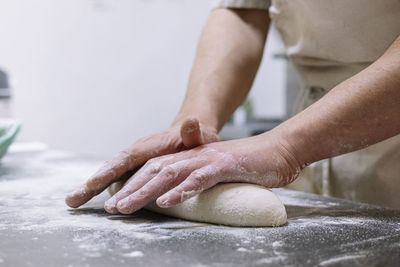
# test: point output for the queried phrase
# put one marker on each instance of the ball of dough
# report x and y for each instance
(235, 204)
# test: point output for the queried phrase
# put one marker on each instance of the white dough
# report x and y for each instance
(236, 204)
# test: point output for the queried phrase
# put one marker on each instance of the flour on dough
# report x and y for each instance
(235, 204)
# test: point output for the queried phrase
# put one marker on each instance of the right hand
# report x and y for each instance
(187, 134)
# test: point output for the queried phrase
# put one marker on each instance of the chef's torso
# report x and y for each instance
(330, 41)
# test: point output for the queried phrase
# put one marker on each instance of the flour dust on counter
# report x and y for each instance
(34, 221)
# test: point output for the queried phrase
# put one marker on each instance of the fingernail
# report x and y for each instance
(122, 205)
(162, 202)
(73, 199)
(110, 205)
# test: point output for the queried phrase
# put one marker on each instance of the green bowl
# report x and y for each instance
(8, 131)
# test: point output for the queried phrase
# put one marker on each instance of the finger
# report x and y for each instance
(126, 160)
(82, 194)
(108, 173)
(190, 132)
(169, 177)
(145, 174)
(112, 170)
(199, 180)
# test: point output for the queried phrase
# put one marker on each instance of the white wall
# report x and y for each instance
(93, 76)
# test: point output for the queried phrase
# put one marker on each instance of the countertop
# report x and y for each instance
(38, 229)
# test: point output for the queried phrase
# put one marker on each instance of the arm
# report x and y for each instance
(228, 56)
(359, 112)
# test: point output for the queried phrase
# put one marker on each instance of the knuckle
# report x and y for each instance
(123, 164)
(113, 173)
(169, 171)
(143, 193)
(198, 179)
(196, 175)
(153, 165)
(121, 161)
(122, 155)
(128, 158)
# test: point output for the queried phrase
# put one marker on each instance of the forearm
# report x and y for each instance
(359, 112)
(228, 56)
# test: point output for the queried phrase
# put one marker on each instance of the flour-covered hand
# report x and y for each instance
(183, 135)
(172, 179)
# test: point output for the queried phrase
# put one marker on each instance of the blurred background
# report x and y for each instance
(92, 76)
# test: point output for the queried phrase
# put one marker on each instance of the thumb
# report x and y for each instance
(193, 134)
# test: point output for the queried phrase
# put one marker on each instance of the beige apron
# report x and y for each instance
(328, 42)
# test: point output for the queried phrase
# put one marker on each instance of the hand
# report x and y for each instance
(174, 178)
(186, 134)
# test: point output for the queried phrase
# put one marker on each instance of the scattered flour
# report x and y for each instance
(133, 254)
(341, 259)
(34, 204)
(41, 198)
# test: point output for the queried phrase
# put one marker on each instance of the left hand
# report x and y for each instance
(171, 179)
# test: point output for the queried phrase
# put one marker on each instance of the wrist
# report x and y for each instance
(294, 143)
(270, 159)
(286, 159)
